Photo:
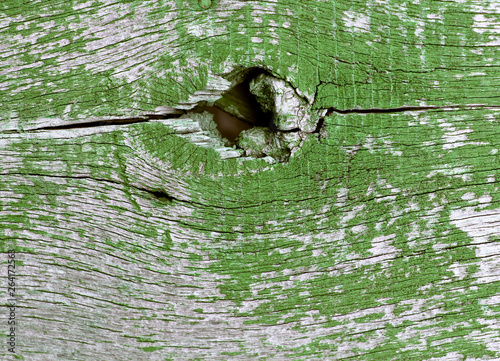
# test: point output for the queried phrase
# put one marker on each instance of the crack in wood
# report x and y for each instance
(101, 123)
(161, 195)
(213, 109)
(157, 193)
(332, 110)
(261, 114)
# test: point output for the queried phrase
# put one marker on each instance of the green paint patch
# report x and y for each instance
(370, 317)
(152, 348)
(167, 241)
(379, 212)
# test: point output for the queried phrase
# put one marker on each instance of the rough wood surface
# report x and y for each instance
(140, 235)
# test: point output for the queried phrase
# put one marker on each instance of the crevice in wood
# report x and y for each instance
(247, 124)
(161, 195)
(408, 108)
(228, 125)
(257, 114)
(239, 100)
(261, 114)
(332, 110)
(319, 126)
(119, 121)
(376, 110)
(237, 109)
(158, 194)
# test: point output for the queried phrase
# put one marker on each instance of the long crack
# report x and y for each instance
(269, 116)
(332, 110)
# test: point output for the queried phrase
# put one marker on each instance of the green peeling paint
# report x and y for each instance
(368, 232)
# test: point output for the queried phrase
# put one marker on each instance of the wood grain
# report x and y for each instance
(140, 235)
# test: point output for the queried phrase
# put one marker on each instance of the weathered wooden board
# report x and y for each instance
(139, 235)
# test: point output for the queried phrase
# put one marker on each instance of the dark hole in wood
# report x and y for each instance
(161, 196)
(230, 124)
(240, 93)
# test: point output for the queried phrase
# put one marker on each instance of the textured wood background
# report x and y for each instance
(140, 235)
